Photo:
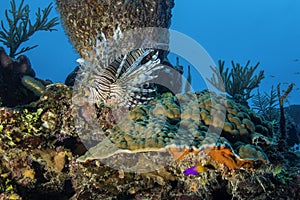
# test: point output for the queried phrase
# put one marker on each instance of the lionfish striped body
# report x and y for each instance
(118, 79)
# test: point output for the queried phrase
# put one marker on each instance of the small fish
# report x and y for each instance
(272, 76)
(194, 170)
(296, 60)
(296, 73)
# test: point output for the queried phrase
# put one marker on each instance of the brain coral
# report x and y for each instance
(84, 20)
(178, 126)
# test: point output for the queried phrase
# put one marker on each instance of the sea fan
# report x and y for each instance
(111, 78)
(265, 104)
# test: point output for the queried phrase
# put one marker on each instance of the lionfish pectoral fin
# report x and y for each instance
(135, 85)
(137, 57)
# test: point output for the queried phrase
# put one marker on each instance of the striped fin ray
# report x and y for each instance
(123, 64)
(131, 87)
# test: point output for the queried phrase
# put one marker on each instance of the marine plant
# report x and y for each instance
(266, 104)
(21, 28)
(238, 82)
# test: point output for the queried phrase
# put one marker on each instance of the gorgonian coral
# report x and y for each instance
(21, 28)
(238, 82)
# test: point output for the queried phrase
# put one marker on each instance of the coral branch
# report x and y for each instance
(239, 82)
(20, 28)
(266, 104)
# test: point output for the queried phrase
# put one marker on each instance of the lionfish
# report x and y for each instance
(115, 79)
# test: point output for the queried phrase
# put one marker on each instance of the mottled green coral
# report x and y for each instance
(30, 120)
(5, 185)
(183, 120)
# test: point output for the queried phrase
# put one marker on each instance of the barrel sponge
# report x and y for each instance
(83, 20)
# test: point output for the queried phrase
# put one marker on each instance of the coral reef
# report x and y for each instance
(40, 145)
(29, 156)
(21, 65)
(63, 146)
(21, 28)
(17, 78)
(239, 82)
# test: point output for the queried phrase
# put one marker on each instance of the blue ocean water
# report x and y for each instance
(261, 31)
